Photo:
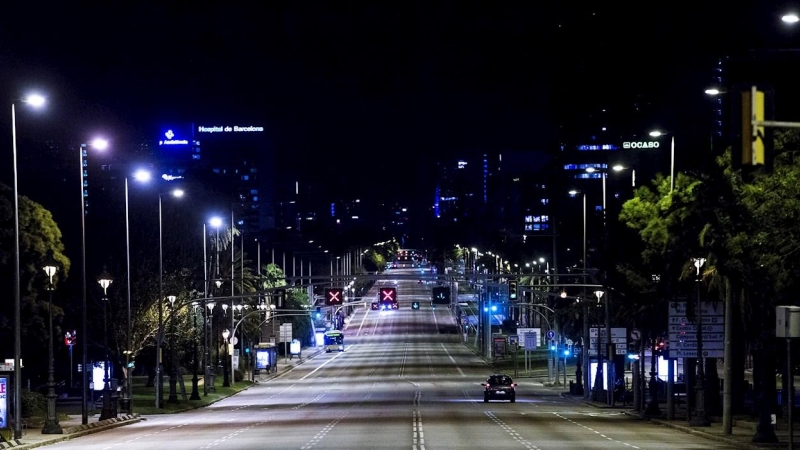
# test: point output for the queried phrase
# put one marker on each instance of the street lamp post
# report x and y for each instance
(208, 385)
(195, 391)
(226, 381)
(173, 378)
(35, 101)
(699, 419)
(599, 374)
(225, 335)
(51, 425)
(100, 144)
(108, 412)
(671, 158)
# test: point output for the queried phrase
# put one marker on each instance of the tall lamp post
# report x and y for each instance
(108, 412)
(35, 101)
(51, 425)
(657, 133)
(699, 419)
(585, 355)
(144, 176)
(99, 144)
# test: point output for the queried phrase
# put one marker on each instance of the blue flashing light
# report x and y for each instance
(566, 352)
(485, 309)
(317, 315)
(494, 308)
(633, 357)
(553, 347)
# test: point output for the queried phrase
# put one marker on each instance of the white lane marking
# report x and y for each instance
(435, 322)
(366, 311)
(418, 434)
(321, 366)
(235, 433)
(511, 432)
(453, 360)
(594, 431)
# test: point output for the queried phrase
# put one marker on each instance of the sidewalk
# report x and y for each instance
(72, 427)
(742, 431)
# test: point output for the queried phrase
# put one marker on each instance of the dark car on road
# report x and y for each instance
(499, 387)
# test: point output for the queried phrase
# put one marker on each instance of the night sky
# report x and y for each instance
(365, 85)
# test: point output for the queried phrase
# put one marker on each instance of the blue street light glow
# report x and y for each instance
(494, 308)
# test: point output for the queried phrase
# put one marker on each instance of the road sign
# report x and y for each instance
(683, 326)
(286, 332)
(535, 332)
(708, 309)
(635, 334)
(530, 340)
(551, 334)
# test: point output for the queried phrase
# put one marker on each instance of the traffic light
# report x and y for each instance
(319, 312)
(334, 296)
(552, 344)
(512, 289)
(280, 297)
(441, 295)
(752, 138)
(414, 305)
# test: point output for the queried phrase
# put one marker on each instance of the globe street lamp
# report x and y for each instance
(35, 101)
(51, 425)
(108, 412)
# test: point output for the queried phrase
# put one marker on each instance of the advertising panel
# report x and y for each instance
(262, 359)
(3, 402)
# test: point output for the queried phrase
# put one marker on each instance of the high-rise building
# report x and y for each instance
(235, 161)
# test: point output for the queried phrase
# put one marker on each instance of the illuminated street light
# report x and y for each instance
(36, 101)
(657, 133)
(790, 18)
(83, 153)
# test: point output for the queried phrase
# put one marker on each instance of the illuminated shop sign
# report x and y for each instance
(643, 144)
(170, 141)
(229, 129)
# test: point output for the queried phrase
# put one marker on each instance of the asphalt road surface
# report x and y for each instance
(404, 382)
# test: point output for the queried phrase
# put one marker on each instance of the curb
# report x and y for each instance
(78, 431)
(709, 436)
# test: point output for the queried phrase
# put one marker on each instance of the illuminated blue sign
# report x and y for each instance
(169, 141)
